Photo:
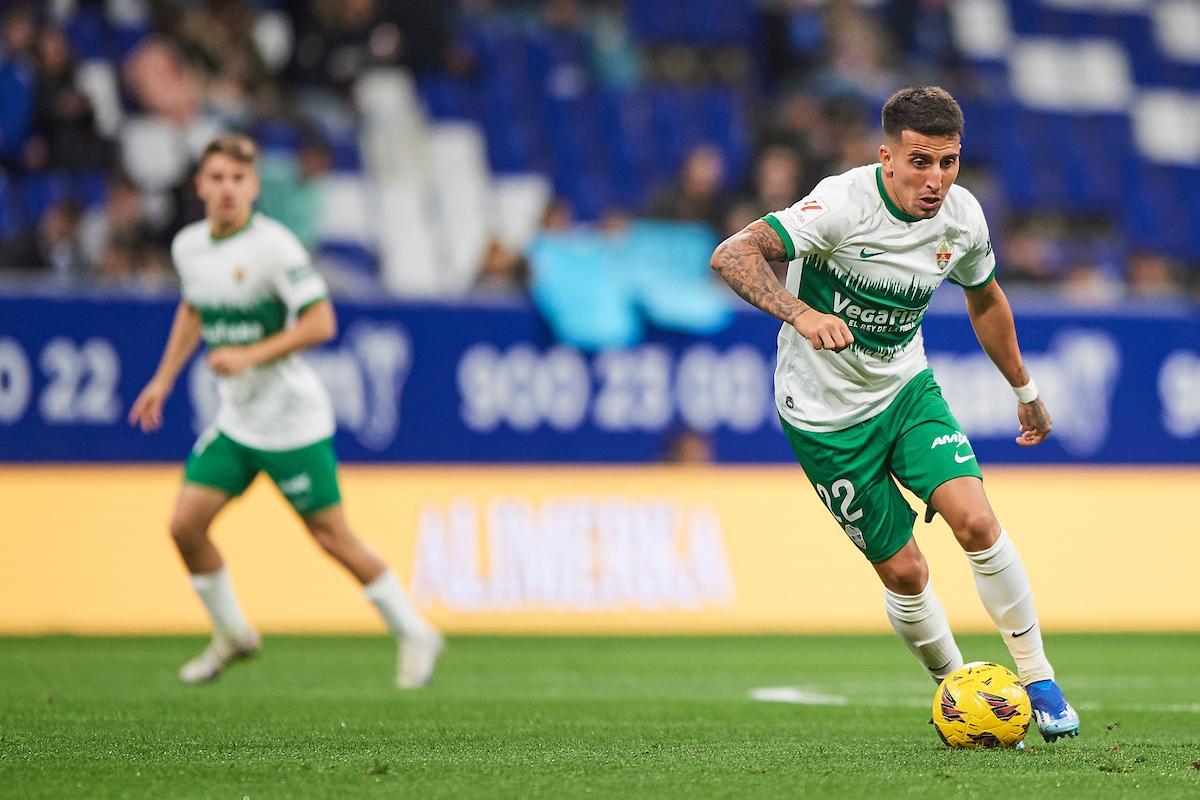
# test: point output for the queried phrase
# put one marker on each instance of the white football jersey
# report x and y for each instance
(855, 254)
(247, 286)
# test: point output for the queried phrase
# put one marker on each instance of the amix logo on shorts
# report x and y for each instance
(298, 484)
(956, 438)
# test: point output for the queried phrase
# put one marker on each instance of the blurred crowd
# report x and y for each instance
(99, 208)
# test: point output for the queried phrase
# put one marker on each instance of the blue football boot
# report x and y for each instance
(1054, 715)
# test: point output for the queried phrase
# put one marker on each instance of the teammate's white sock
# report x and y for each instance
(921, 622)
(1003, 587)
(216, 592)
(402, 618)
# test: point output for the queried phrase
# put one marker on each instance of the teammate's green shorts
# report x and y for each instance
(306, 476)
(916, 440)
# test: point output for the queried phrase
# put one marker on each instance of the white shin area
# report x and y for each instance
(401, 616)
(1003, 587)
(216, 593)
(921, 622)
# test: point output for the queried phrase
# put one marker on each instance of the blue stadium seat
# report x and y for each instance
(10, 220)
(91, 188)
(17, 88)
(277, 136)
(87, 31)
(352, 255)
(449, 97)
(343, 147)
(41, 190)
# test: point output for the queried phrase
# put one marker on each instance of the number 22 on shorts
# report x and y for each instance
(843, 490)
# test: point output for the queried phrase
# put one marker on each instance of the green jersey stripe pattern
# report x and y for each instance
(883, 315)
(226, 325)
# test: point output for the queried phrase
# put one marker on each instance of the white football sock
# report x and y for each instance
(1003, 587)
(216, 592)
(397, 610)
(921, 622)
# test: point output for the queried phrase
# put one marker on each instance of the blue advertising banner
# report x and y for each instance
(486, 384)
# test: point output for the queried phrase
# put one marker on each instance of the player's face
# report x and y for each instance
(919, 170)
(228, 188)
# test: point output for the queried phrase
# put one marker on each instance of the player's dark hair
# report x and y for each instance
(234, 145)
(927, 110)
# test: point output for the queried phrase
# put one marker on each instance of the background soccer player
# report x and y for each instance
(250, 291)
(858, 402)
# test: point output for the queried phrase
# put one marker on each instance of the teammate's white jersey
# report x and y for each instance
(247, 286)
(855, 254)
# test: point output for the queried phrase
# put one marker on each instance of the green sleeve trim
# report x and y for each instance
(310, 304)
(991, 276)
(788, 246)
(221, 237)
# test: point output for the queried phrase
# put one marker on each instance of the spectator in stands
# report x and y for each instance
(559, 216)
(1026, 251)
(504, 273)
(52, 248)
(65, 134)
(698, 194)
(122, 219)
(1152, 275)
(778, 179)
(337, 39)
(687, 446)
(162, 81)
(220, 35)
(1086, 284)
(291, 188)
(18, 78)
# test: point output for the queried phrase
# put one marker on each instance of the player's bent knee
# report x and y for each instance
(186, 531)
(905, 573)
(911, 580)
(977, 531)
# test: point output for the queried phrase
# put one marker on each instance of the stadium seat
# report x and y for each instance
(519, 201)
(460, 186)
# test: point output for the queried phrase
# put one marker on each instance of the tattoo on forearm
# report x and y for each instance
(742, 263)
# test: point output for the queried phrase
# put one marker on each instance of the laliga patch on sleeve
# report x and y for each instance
(807, 210)
(299, 274)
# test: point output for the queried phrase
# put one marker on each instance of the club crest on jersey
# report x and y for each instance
(944, 253)
(239, 274)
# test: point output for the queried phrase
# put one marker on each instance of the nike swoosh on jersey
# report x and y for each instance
(1027, 630)
(864, 254)
(963, 459)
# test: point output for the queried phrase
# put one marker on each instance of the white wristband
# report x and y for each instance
(1027, 393)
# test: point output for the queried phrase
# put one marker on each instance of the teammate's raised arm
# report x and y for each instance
(741, 261)
(181, 343)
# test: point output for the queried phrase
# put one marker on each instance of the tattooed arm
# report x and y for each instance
(992, 318)
(741, 261)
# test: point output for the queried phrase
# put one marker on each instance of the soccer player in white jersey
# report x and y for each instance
(250, 291)
(858, 403)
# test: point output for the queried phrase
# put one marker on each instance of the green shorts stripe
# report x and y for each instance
(916, 441)
(306, 476)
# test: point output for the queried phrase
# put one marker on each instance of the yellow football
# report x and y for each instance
(981, 705)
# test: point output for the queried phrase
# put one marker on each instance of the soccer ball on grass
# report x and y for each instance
(981, 705)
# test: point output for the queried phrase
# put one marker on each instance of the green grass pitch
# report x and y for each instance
(548, 717)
